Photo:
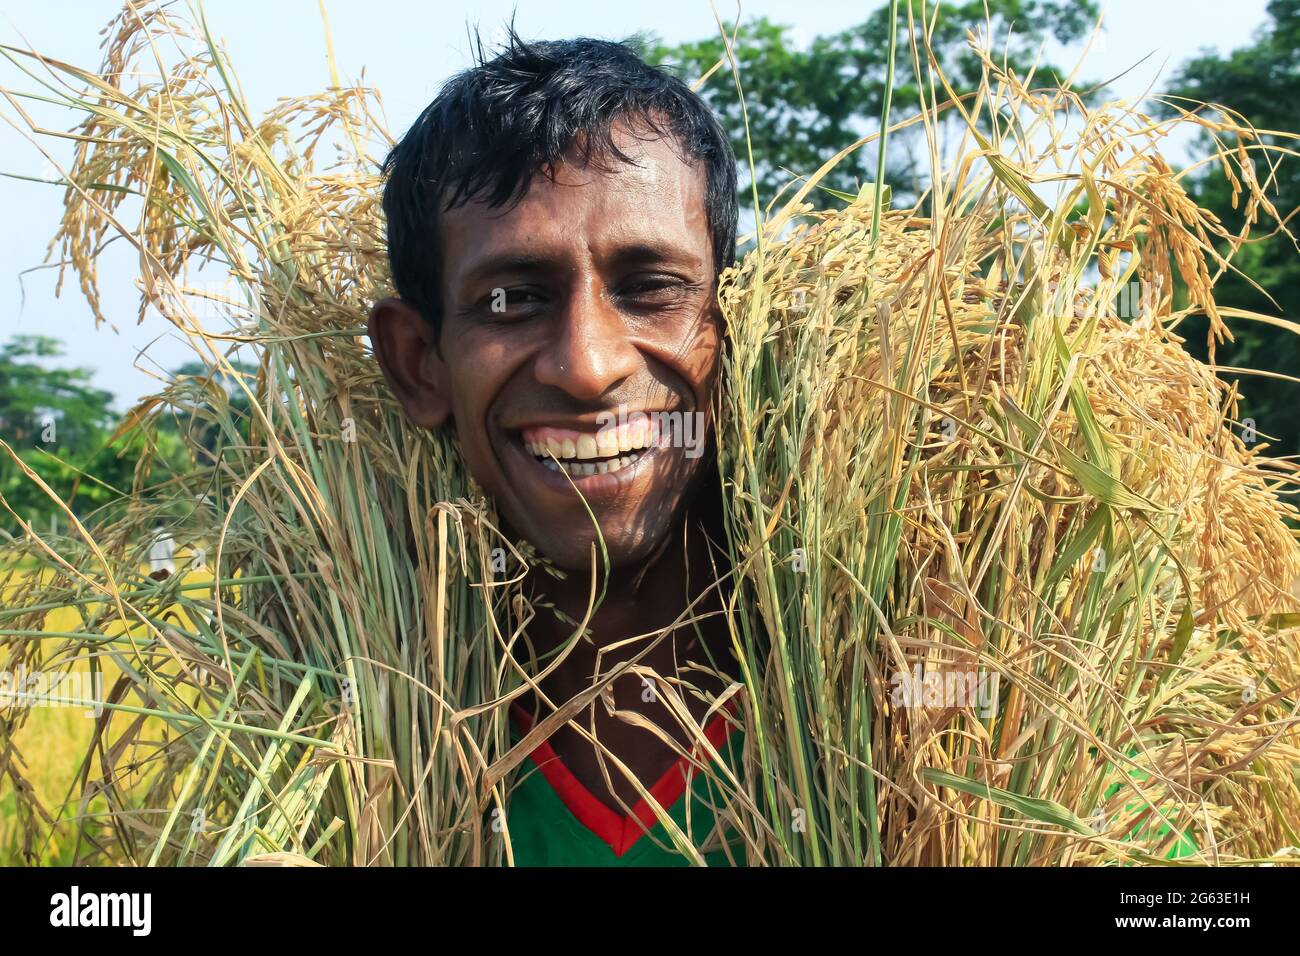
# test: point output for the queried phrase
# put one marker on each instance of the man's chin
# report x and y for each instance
(575, 555)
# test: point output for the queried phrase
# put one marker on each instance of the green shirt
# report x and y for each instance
(553, 820)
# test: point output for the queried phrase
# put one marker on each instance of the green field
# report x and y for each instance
(50, 749)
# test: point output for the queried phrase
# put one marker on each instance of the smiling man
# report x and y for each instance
(557, 221)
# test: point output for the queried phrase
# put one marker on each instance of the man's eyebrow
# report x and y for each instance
(510, 262)
(655, 252)
(634, 253)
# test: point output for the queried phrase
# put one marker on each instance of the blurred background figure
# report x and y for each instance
(161, 554)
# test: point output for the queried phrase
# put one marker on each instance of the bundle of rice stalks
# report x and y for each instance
(1010, 587)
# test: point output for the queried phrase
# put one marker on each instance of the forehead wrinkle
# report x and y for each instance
(607, 227)
(660, 202)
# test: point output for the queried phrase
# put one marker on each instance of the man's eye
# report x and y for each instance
(656, 289)
(503, 301)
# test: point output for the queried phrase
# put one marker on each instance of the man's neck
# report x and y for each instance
(666, 617)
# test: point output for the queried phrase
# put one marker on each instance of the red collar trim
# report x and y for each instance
(619, 832)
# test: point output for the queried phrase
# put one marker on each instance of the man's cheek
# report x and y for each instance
(475, 444)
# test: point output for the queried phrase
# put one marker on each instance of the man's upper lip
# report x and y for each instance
(581, 423)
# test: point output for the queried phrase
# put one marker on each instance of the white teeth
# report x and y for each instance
(607, 443)
(570, 465)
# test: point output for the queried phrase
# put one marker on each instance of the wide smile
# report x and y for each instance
(597, 463)
(581, 454)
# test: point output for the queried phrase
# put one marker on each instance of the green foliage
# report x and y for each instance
(807, 104)
(31, 395)
(57, 422)
(63, 429)
(1262, 82)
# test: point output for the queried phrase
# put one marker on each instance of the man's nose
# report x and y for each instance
(591, 352)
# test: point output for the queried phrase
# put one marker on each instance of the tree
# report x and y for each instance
(65, 430)
(806, 105)
(55, 421)
(1262, 82)
(35, 401)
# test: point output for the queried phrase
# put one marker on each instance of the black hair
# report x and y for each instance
(494, 127)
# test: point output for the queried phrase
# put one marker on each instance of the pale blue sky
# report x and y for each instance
(407, 50)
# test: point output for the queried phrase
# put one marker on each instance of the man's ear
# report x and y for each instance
(406, 346)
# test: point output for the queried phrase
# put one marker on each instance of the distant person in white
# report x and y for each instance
(161, 553)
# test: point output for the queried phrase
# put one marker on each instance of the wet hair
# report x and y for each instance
(496, 126)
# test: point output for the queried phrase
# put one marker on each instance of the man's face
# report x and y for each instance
(587, 306)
